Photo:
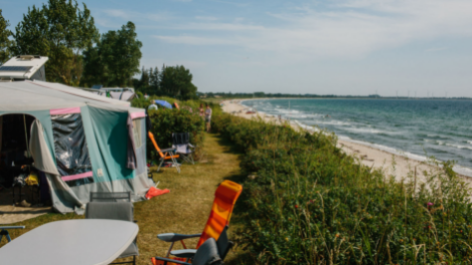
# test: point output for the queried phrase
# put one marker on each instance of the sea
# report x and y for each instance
(415, 128)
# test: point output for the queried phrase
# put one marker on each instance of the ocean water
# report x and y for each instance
(415, 128)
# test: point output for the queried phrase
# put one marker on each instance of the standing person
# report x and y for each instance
(153, 106)
(208, 118)
(201, 110)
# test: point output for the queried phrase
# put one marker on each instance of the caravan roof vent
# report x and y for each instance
(28, 57)
(24, 67)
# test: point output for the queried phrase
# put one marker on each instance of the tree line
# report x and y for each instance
(173, 82)
(80, 56)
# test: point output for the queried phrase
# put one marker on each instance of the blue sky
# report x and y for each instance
(355, 47)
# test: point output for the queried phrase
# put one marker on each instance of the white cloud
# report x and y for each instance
(218, 27)
(117, 13)
(133, 15)
(347, 28)
(191, 40)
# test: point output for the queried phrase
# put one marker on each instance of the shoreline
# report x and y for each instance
(392, 164)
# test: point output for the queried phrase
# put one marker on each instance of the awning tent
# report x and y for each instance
(123, 94)
(163, 103)
(83, 142)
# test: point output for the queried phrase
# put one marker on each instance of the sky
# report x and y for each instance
(342, 47)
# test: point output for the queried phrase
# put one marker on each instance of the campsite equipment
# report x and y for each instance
(153, 192)
(163, 103)
(183, 147)
(4, 232)
(110, 196)
(24, 67)
(206, 254)
(226, 196)
(165, 154)
(88, 242)
(81, 141)
(122, 211)
(118, 93)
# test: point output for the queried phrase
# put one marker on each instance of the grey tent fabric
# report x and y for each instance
(131, 146)
(115, 95)
(127, 95)
(105, 125)
(63, 197)
(38, 148)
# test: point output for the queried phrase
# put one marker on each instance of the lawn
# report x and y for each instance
(184, 210)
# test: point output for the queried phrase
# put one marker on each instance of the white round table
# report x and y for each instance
(72, 242)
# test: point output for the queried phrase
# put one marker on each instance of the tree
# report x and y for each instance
(61, 31)
(115, 59)
(94, 69)
(5, 42)
(154, 81)
(31, 34)
(143, 82)
(177, 82)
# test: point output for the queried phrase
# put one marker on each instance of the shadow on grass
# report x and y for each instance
(232, 148)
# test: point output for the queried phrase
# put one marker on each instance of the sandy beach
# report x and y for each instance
(391, 164)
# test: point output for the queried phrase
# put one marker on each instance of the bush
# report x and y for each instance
(305, 202)
(167, 121)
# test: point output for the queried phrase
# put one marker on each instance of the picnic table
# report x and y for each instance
(72, 242)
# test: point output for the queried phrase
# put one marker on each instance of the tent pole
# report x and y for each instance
(26, 136)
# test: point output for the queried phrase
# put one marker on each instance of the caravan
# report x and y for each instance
(82, 142)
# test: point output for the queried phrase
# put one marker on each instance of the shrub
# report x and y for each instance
(308, 203)
(167, 121)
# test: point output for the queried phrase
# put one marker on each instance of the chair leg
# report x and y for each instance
(134, 260)
(174, 161)
(160, 164)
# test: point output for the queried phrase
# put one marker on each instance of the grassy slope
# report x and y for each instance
(184, 210)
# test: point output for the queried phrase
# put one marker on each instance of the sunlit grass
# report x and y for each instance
(184, 210)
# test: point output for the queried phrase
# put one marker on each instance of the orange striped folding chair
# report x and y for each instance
(165, 154)
(226, 196)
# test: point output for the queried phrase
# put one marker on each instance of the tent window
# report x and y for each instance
(72, 156)
(138, 141)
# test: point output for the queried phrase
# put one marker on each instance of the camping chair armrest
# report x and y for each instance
(172, 260)
(191, 145)
(172, 237)
(167, 150)
(184, 253)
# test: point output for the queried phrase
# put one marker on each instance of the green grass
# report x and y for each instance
(184, 210)
(306, 202)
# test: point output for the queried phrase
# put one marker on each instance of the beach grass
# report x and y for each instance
(184, 210)
(306, 202)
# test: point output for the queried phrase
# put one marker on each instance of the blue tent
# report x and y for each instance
(163, 103)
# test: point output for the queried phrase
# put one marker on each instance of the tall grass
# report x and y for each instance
(306, 202)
